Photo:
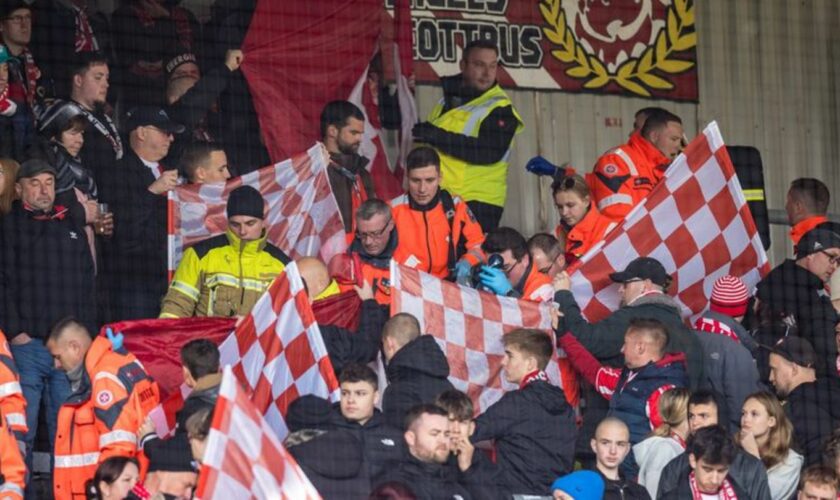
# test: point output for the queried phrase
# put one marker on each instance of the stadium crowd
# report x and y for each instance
(742, 403)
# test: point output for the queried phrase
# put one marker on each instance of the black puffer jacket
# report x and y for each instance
(623, 489)
(416, 374)
(334, 463)
(534, 429)
(380, 442)
(362, 346)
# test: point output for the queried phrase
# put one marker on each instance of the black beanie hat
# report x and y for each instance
(309, 412)
(245, 200)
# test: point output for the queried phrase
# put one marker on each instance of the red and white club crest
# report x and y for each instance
(615, 30)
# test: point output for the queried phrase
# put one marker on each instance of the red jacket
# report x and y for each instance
(101, 418)
(625, 175)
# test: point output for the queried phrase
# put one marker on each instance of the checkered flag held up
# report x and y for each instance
(244, 458)
(277, 352)
(468, 326)
(696, 222)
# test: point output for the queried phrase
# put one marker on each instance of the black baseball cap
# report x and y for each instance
(643, 268)
(815, 240)
(796, 350)
(33, 167)
(151, 116)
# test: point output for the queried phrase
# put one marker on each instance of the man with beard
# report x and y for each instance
(425, 469)
(89, 89)
(342, 126)
(812, 402)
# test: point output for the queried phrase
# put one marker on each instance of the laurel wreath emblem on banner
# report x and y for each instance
(638, 75)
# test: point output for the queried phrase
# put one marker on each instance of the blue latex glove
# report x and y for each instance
(495, 280)
(116, 340)
(540, 166)
(462, 272)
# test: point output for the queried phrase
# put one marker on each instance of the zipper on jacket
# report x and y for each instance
(428, 245)
(241, 276)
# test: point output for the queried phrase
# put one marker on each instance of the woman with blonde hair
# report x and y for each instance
(8, 173)
(766, 433)
(666, 441)
(580, 221)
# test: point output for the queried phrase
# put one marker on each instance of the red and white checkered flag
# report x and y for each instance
(244, 458)
(277, 351)
(468, 326)
(696, 222)
(302, 218)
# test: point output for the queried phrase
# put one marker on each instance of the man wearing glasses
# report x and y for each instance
(375, 242)
(518, 276)
(16, 32)
(135, 188)
(547, 254)
(797, 288)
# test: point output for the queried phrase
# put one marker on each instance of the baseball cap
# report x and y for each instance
(643, 268)
(815, 240)
(796, 350)
(151, 116)
(9, 6)
(33, 167)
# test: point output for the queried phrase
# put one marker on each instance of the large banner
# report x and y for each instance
(633, 47)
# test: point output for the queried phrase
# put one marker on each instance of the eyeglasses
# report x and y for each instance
(20, 19)
(372, 234)
(508, 267)
(834, 259)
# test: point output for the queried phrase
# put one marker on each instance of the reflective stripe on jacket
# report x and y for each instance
(425, 237)
(625, 175)
(222, 276)
(12, 403)
(485, 183)
(101, 418)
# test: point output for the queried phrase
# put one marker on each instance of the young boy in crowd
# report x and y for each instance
(610, 445)
(533, 427)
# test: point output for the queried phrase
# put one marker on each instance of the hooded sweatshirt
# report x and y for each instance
(416, 374)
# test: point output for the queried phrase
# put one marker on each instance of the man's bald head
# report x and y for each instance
(68, 343)
(315, 275)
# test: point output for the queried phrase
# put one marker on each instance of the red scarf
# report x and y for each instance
(531, 377)
(726, 492)
(714, 326)
(680, 441)
(58, 212)
(24, 90)
(85, 40)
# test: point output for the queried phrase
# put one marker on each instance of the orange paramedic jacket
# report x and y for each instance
(12, 404)
(425, 237)
(623, 176)
(101, 418)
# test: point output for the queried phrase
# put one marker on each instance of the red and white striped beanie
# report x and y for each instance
(729, 296)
